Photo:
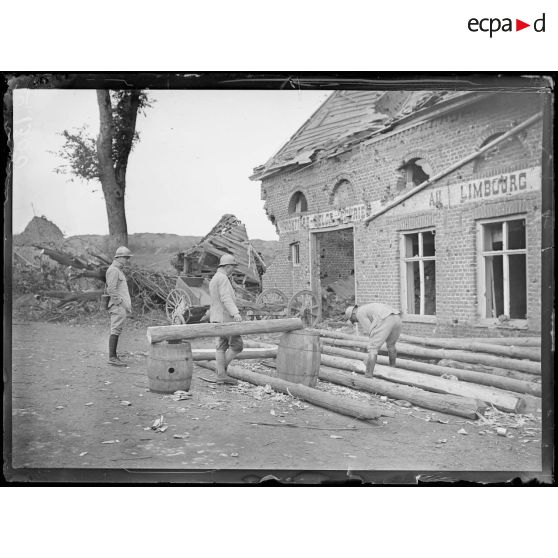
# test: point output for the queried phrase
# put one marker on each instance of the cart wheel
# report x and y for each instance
(273, 302)
(304, 305)
(177, 306)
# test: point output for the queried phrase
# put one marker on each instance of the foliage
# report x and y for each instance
(79, 150)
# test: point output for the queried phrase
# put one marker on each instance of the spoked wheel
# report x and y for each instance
(177, 306)
(304, 305)
(272, 303)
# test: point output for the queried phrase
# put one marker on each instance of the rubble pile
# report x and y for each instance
(337, 296)
(228, 236)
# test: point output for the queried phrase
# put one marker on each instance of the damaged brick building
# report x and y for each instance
(428, 201)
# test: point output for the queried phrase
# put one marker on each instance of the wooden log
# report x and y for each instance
(356, 409)
(490, 370)
(480, 378)
(515, 341)
(156, 334)
(442, 403)
(530, 353)
(437, 354)
(500, 399)
(259, 344)
(209, 354)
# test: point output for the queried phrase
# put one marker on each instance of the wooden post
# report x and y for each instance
(362, 411)
(156, 334)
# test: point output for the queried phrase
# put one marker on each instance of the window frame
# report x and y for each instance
(294, 248)
(482, 254)
(298, 197)
(421, 317)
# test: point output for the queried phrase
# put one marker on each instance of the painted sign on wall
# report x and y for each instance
(454, 195)
(335, 217)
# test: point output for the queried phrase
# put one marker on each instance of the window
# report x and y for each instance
(504, 269)
(511, 149)
(419, 272)
(342, 195)
(414, 172)
(295, 253)
(298, 203)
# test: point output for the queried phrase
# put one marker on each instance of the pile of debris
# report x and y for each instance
(44, 280)
(55, 278)
(337, 296)
(228, 236)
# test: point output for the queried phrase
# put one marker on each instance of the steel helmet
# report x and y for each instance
(349, 312)
(122, 252)
(227, 259)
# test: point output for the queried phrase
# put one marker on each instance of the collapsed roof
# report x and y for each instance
(228, 236)
(350, 117)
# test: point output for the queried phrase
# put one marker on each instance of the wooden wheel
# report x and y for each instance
(304, 305)
(272, 303)
(177, 306)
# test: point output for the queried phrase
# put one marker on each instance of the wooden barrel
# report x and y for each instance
(170, 367)
(298, 357)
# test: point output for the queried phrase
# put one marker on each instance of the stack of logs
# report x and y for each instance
(469, 375)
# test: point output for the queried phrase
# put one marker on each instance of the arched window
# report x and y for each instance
(298, 203)
(511, 149)
(414, 172)
(342, 194)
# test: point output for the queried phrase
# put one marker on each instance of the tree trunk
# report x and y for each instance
(113, 192)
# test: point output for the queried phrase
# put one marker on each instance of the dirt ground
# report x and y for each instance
(68, 412)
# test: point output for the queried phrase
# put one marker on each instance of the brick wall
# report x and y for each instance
(371, 169)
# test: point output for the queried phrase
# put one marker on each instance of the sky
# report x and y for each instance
(191, 166)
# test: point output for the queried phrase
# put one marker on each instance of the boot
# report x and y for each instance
(370, 365)
(392, 356)
(221, 364)
(113, 358)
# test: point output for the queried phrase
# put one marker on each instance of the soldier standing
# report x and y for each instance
(120, 303)
(223, 308)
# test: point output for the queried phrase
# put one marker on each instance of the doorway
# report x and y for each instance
(333, 270)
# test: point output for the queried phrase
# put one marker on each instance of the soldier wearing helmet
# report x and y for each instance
(120, 303)
(223, 308)
(382, 324)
